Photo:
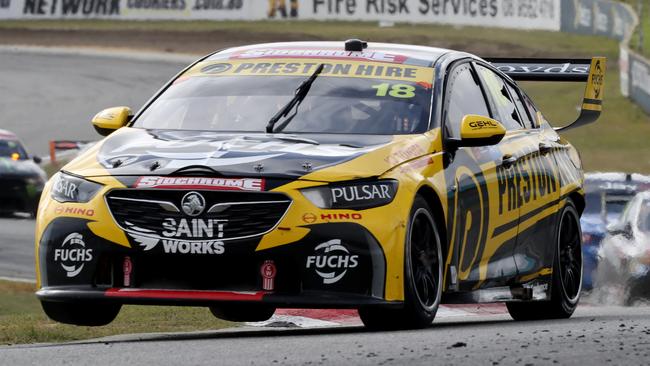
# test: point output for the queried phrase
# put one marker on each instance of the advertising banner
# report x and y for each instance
(518, 14)
(597, 17)
(639, 81)
(128, 9)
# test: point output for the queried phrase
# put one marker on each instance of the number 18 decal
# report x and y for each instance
(395, 90)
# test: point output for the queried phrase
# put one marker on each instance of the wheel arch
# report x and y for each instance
(578, 200)
(431, 196)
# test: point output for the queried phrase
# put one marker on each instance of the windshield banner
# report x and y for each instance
(305, 67)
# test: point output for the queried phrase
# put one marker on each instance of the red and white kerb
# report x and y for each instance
(268, 272)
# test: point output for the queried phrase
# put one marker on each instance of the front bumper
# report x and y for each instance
(350, 271)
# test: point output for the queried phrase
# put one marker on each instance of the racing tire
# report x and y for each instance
(243, 312)
(422, 276)
(85, 314)
(567, 273)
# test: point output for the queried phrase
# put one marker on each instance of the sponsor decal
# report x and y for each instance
(297, 67)
(479, 125)
(532, 178)
(566, 68)
(331, 261)
(193, 204)
(66, 188)
(309, 217)
(61, 210)
(315, 53)
(268, 272)
(193, 228)
(73, 254)
(407, 153)
(360, 193)
(127, 269)
(178, 234)
(216, 68)
(216, 184)
(341, 216)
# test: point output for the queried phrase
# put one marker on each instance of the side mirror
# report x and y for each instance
(478, 130)
(617, 228)
(111, 119)
(37, 159)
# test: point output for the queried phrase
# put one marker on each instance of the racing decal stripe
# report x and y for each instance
(592, 101)
(507, 226)
(185, 295)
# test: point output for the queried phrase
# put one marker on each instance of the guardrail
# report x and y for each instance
(615, 20)
(62, 145)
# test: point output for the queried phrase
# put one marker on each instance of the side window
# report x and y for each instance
(503, 101)
(523, 113)
(530, 105)
(464, 97)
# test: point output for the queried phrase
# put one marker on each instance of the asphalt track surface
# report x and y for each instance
(594, 336)
(53, 96)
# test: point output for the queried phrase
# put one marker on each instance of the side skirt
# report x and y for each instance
(536, 290)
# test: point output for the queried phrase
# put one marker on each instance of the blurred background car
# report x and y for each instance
(624, 255)
(21, 178)
(606, 197)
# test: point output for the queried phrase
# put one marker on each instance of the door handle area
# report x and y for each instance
(545, 148)
(508, 161)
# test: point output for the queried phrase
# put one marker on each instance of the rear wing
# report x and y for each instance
(591, 71)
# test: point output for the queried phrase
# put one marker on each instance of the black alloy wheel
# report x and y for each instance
(422, 276)
(567, 273)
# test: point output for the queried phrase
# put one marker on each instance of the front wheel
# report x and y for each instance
(422, 276)
(567, 273)
(86, 314)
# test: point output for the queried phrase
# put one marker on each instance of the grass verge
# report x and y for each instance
(23, 321)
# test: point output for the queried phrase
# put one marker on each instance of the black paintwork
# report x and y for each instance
(170, 152)
(21, 184)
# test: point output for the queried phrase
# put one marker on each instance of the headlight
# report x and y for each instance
(353, 196)
(68, 188)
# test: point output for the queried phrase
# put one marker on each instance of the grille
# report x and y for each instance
(227, 215)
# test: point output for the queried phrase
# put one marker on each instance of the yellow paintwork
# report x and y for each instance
(416, 161)
(112, 118)
(475, 127)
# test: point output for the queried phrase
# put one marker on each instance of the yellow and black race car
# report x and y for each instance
(383, 177)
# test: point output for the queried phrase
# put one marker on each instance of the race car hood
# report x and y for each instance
(135, 151)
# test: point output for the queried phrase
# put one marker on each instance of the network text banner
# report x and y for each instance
(517, 14)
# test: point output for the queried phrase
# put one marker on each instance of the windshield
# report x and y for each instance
(12, 149)
(245, 102)
(644, 216)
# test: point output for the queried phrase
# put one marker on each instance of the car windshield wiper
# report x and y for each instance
(297, 139)
(294, 103)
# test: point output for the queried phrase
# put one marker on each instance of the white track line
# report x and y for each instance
(16, 279)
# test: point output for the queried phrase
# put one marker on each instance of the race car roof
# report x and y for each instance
(7, 135)
(381, 52)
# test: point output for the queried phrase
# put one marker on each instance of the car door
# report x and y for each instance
(528, 185)
(475, 259)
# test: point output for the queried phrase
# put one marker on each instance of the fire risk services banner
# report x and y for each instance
(518, 14)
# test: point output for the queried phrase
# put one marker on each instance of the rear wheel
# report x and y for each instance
(243, 312)
(567, 274)
(422, 276)
(89, 314)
